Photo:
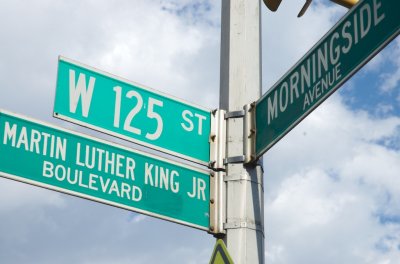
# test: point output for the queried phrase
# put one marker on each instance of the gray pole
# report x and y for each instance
(240, 85)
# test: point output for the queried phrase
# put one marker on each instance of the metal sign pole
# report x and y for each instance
(241, 84)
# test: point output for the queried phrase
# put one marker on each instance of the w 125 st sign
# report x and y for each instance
(118, 107)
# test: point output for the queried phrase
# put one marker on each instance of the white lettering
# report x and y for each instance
(283, 101)
(201, 118)
(48, 169)
(377, 18)
(348, 36)
(322, 59)
(23, 139)
(148, 178)
(93, 181)
(174, 184)
(130, 168)
(10, 134)
(365, 27)
(294, 79)
(190, 125)
(305, 76)
(199, 186)
(153, 115)
(80, 91)
(334, 52)
(272, 109)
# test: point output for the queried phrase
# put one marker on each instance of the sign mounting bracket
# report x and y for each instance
(217, 140)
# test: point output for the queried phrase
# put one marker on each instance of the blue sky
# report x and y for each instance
(332, 185)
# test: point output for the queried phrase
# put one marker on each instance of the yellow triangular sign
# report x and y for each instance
(220, 254)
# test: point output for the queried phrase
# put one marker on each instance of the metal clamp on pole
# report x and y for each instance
(234, 114)
(249, 133)
(217, 140)
(241, 158)
(217, 203)
(244, 224)
(234, 160)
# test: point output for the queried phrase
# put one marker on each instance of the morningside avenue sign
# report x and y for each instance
(352, 42)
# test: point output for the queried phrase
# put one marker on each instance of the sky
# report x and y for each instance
(331, 186)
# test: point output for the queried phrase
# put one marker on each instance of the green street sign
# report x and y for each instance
(220, 254)
(353, 41)
(57, 159)
(104, 102)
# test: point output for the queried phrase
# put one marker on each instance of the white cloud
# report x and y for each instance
(331, 188)
(138, 218)
(376, 63)
(17, 197)
(391, 79)
(383, 109)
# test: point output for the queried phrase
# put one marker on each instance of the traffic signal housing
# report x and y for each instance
(272, 4)
(346, 3)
